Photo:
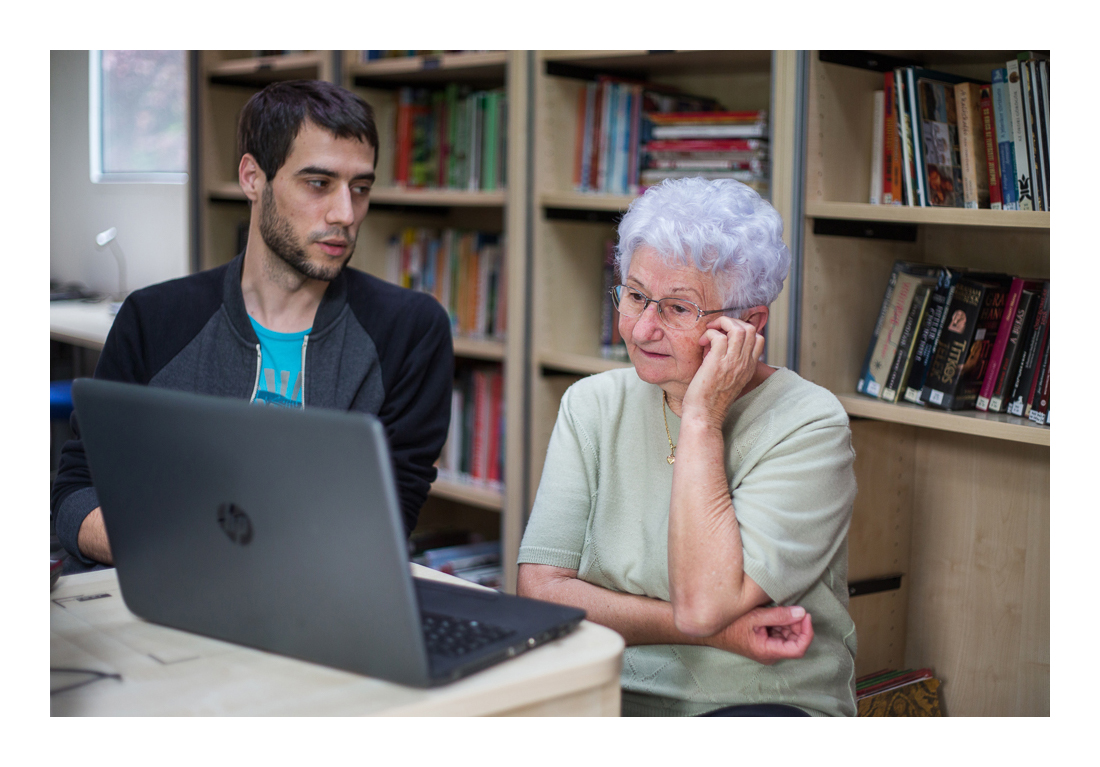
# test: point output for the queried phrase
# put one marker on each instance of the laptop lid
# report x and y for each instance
(278, 529)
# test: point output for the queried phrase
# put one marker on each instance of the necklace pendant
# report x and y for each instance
(671, 459)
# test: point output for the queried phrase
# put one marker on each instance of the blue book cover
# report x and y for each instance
(1006, 153)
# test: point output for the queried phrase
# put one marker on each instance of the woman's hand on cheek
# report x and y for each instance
(731, 349)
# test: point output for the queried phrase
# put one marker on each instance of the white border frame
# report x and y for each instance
(95, 136)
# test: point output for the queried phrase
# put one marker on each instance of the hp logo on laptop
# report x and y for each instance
(235, 523)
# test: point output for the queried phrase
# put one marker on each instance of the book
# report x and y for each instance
(889, 335)
(905, 138)
(1039, 129)
(915, 146)
(972, 146)
(1004, 332)
(891, 187)
(878, 128)
(1031, 131)
(1002, 127)
(1020, 142)
(972, 376)
(992, 167)
(937, 137)
(957, 356)
(1041, 399)
(1014, 350)
(899, 369)
(1023, 385)
(929, 334)
(863, 383)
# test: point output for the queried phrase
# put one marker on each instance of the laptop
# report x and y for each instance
(281, 530)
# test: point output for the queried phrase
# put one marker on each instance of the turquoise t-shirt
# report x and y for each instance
(281, 356)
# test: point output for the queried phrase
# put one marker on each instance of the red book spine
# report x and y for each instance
(496, 383)
(479, 451)
(890, 195)
(993, 161)
(996, 356)
(703, 145)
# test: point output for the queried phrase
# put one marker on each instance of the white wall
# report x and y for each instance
(152, 219)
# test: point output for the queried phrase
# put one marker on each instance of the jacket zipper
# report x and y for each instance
(256, 383)
(305, 341)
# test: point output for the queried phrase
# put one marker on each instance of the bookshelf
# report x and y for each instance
(570, 228)
(454, 503)
(956, 503)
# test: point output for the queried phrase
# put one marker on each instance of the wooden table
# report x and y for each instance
(166, 672)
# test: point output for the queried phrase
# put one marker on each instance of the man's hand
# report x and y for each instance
(767, 634)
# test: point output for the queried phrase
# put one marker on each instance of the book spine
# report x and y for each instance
(951, 350)
(496, 381)
(989, 142)
(886, 345)
(985, 337)
(1014, 351)
(606, 112)
(930, 334)
(1020, 143)
(1031, 127)
(635, 140)
(878, 122)
(918, 138)
(1025, 375)
(975, 173)
(1042, 149)
(1006, 154)
(403, 137)
(891, 194)
(905, 137)
(578, 139)
(996, 356)
(1037, 411)
(899, 370)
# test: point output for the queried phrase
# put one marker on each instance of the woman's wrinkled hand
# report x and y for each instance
(732, 349)
(767, 634)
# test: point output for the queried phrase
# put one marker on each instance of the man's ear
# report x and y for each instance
(251, 177)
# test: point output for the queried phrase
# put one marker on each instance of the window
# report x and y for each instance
(138, 113)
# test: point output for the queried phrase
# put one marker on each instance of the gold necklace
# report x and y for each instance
(672, 455)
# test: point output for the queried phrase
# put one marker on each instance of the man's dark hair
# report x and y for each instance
(271, 119)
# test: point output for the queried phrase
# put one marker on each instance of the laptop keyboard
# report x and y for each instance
(455, 637)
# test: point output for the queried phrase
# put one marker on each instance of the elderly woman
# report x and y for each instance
(681, 496)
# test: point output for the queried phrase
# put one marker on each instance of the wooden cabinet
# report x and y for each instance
(956, 503)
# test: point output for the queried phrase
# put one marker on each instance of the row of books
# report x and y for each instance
(463, 269)
(940, 139)
(911, 692)
(631, 135)
(956, 339)
(462, 554)
(451, 138)
(474, 450)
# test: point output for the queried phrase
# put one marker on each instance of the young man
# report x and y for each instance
(285, 323)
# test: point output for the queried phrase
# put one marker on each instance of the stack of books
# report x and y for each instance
(912, 692)
(611, 127)
(474, 451)
(939, 139)
(463, 269)
(716, 144)
(463, 555)
(958, 339)
(452, 138)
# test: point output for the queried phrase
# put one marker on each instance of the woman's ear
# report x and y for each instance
(757, 316)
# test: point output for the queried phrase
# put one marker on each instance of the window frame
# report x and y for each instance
(95, 136)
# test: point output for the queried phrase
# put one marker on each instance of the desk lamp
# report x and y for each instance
(109, 237)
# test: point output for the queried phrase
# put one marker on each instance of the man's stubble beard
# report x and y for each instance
(279, 237)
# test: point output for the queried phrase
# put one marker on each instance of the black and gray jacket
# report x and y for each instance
(374, 348)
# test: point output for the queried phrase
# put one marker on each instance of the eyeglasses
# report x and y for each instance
(675, 313)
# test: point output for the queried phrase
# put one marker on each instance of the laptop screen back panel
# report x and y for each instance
(238, 531)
